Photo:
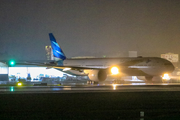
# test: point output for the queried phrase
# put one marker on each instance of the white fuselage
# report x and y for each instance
(143, 66)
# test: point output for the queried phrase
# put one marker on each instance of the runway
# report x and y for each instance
(91, 102)
(136, 87)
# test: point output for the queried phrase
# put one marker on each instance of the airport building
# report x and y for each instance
(30, 73)
(4, 72)
(49, 53)
(33, 73)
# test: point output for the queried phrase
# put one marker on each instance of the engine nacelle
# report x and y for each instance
(97, 75)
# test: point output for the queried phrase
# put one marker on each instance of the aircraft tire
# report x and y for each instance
(88, 82)
(118, 81)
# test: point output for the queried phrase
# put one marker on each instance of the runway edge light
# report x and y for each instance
(19, 84)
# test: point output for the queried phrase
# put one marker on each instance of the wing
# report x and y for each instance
(64, 67)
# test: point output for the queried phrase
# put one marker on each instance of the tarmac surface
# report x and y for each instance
(91, 102)
(134, 87)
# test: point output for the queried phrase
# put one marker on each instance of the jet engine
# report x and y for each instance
(97, 75)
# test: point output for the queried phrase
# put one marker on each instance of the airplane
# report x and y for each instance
(98, 69)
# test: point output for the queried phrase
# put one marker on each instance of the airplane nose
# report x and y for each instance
(169, 67)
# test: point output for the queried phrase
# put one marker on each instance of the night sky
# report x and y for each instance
(89, 27)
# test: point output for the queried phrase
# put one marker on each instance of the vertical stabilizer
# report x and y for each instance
(57, 51)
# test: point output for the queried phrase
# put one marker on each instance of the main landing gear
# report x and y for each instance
(92, 82)
(118, 81)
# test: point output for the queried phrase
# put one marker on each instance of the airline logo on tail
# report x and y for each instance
(57, 51)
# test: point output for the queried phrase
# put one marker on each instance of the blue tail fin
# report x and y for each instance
(57, 51)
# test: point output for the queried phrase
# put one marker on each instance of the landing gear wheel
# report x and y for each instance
(88, 82)
(92, 82)
(118, 81)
